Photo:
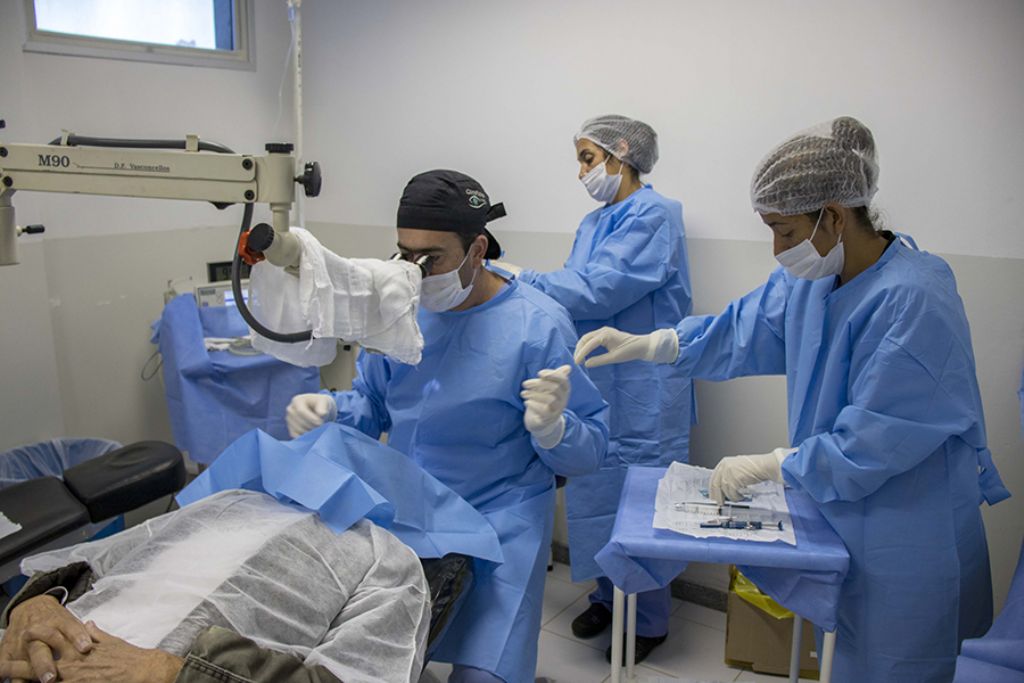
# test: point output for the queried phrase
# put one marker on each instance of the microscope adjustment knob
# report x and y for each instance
(311, 179)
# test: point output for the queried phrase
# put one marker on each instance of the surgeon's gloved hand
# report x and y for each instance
(660, 346)
(309, 411)
(510, 268)
(546, 397)
(740, 471)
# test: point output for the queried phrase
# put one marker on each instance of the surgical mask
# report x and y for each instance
(804, 261)
(444, 292)
(600, 185)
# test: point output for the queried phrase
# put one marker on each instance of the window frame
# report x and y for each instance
(243, 56)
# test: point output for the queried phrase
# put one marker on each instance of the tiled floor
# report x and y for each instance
(693, 651)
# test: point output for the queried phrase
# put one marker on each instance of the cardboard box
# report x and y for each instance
(755, 639)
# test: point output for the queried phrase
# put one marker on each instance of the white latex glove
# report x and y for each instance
(740, 471)
(546, 397)
(309, 411)
(510, 268)
(660, 346)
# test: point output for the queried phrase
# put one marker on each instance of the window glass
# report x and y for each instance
(203, 24)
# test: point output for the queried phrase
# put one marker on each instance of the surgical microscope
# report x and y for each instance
(189, 168)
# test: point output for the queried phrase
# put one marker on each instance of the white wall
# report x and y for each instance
(30, 406)
(497, 89)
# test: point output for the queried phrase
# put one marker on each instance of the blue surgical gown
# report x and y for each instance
(998, 657)
(628, 270)
(458, 414)
(885, 411)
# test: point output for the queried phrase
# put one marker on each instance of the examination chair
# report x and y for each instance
(54, 513)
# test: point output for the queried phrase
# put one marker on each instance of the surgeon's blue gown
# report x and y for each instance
(458, 414)
(885, 411)
(628, 270)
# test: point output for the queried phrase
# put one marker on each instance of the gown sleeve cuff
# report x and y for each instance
(666, 346)
(552, 436)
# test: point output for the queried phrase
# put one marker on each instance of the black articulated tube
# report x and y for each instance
(236, 287)
(75, 140)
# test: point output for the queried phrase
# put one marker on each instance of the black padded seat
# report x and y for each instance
(450, 578)
(45, 509)
(126, 478)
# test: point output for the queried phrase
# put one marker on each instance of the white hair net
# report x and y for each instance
(628, 140)
(834, 161)
(356, 603)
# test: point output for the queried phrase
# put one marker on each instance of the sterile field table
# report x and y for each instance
(805, 578)
(214, 397)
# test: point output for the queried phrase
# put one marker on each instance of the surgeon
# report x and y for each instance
(494, 410)
(885, 418)
(627, 269)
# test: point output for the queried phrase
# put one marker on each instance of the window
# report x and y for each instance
(192, 32)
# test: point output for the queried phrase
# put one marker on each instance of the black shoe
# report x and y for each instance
(644, 647)
(592, 622)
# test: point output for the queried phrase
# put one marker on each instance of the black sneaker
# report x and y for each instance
(644, 647)
(592, 622)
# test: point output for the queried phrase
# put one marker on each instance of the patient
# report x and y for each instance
(235, 588)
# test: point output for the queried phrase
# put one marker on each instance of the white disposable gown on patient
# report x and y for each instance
(356, 603)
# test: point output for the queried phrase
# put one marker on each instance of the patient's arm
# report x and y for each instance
(37, 626)
(109, 659)
(113, 660)
(381, 633)
(39, 631)
(75, 579)
(222, 656)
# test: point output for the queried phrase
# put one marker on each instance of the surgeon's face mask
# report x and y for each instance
(805, 262)
(444, 291)
(600, 185)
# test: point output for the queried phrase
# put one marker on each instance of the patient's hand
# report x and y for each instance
(113, 660)
(40, 631)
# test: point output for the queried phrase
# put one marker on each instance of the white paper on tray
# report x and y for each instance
(682, 504)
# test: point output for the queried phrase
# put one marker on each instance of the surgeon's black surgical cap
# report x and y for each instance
(449, 201)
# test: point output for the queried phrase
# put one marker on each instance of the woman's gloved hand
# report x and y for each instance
(660, 346)
(740, 471)
(546, 397)
(309, 411)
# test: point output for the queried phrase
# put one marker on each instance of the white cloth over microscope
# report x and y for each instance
(368, 301)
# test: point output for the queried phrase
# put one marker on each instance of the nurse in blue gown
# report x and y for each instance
(885, 417)
(627, 269)
(494, 410)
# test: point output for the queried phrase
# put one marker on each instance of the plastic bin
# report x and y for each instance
(49, 458)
